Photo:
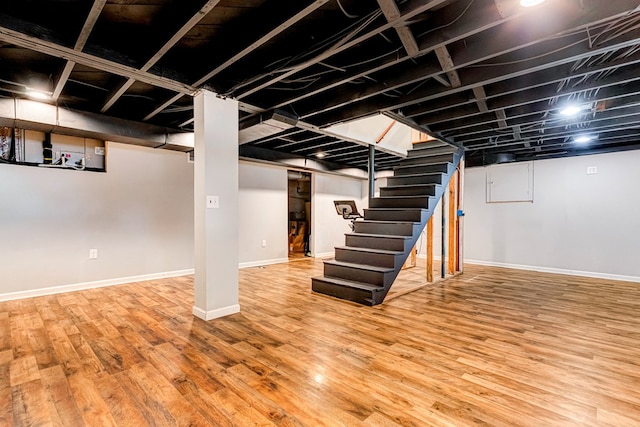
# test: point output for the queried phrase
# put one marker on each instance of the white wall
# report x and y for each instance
(577, 223)
(328, 228)
(263, 214)
(437, 233)
(139, 215)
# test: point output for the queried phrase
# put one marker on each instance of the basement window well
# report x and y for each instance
(49, 150)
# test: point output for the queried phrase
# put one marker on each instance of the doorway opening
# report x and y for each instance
(299, 187)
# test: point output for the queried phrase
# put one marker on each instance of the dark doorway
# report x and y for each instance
(299, 213)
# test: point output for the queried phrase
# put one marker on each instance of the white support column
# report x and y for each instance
(216, 206)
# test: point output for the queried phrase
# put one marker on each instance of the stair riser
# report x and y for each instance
(442, 158)
(420, 179)
(423, 152)
(357, 257)
(395, 215)
(428, 145)
(390, 228)
(445, 168)
(357, 274)
(408, 191)
(385, 243)
(418, 202)
(356, 295)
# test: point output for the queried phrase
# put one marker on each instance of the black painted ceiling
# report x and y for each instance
(490, 75)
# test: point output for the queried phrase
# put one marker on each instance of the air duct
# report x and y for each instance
(265, 124)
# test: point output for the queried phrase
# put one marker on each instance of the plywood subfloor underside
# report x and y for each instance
(491, 347)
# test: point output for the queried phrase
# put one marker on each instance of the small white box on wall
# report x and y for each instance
(511, 182)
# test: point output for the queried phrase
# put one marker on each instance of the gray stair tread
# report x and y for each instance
(417, 175)
(425, 152)
(349, 283)
(382, 236)
(370, 250)
(429, 144)
(359, 266)
(405, 197)
(411, 186)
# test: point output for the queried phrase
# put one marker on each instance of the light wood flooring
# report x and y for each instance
(491, 347)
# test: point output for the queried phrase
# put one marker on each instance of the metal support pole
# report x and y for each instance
(372, 178)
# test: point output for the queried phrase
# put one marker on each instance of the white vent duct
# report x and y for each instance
(264, 125)
(48, 118)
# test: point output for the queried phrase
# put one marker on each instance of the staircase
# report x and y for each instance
(365, 268)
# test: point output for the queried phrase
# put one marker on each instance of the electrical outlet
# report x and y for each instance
(72, 158)
(93, 254)
(99, 151)
(592, 170)
(264, 243)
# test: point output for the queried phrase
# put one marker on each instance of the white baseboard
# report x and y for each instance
(217, 313)
(592, 274)
(325, 255)
(91, 285)
(262, 262)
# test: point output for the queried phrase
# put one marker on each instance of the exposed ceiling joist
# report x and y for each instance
(484, 49)
(480, 98)
(522, 93)
(477, 18)
(392, 13)
(94, 13)
(9, 35)
(244, 52)
(624, 82)
(484, 73)
(502, 119)
(574, 49)
(188, 26)
(345, 44)
(444, 58)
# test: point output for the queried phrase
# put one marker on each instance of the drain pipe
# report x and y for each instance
(372, 180)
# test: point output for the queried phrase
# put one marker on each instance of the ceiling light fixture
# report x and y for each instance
(321, 155)
(38, 94)
(582, 139)
(571, 110)
(530, 3)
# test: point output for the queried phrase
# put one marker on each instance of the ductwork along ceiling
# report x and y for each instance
(489, 75)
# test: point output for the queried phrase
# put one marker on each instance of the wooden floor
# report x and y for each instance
(491, 347)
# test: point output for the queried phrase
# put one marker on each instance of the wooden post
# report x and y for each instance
(451, 258)
(458, 205)
(430, 249)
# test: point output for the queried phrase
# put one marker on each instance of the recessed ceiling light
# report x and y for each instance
(37, 94)
(530, 3)
(583, 139)
(321, 155)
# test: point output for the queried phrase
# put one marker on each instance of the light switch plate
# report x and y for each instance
(213, 202)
